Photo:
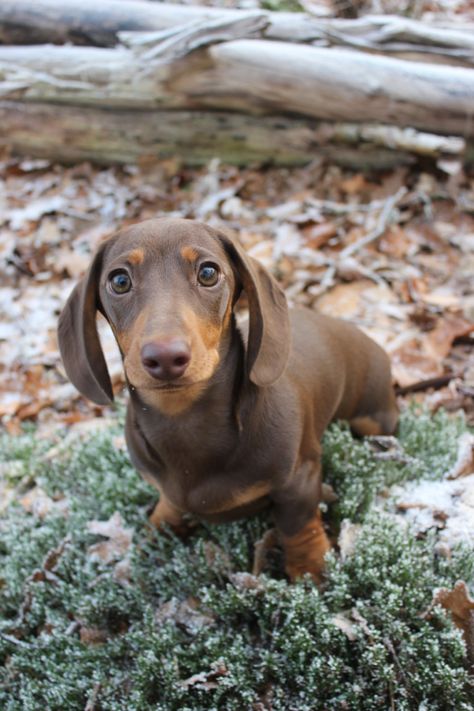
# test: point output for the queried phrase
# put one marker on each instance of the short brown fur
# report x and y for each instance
(241, 428)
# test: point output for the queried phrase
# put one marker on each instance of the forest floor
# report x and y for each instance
(98, 612)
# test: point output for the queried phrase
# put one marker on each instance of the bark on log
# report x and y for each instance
(88, 22)
(249, 76)
(69, 134)
(98, 23)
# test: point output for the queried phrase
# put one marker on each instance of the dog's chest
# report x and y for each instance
(209, 469)
(212, 479)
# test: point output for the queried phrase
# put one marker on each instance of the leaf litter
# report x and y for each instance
(393, 252)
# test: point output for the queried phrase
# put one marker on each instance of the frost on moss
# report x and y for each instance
(188, 628)
(428, 446)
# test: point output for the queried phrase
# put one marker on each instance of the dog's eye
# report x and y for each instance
(120, 282)
(208, 274)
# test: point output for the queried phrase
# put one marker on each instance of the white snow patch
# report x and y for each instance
(446, 505)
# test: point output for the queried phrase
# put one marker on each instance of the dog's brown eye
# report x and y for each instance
(208, 274)
(120, 282)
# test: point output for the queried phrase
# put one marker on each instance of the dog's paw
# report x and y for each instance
(166, 517)
(306, 550)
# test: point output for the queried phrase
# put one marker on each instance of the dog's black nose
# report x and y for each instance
(166, 360)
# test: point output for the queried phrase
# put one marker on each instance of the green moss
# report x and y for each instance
(186, 609)
(282, 5)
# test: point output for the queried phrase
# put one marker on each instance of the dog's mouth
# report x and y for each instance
(170, 387)
(162, 387)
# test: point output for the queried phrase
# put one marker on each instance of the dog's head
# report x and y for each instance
(167, 287)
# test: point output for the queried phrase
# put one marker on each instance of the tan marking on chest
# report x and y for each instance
(242, 497)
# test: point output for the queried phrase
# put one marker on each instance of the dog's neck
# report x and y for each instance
(206, 434)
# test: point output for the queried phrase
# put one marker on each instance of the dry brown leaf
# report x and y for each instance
(421, 357)
(461, 606)
(37, 502)
(120, 539)
(411, 289)
(184, 613)
(342, 622)
(411, 364)
(348, 538)
(216, 557)
(246, 581)
(360, 299)
(439, 341)
(355, 184)
(67, 260)
(123, 572)
(443, 297)
(464, 463)
(315, 236)
(31, 409)
(344, 300)
(263, 251)
(395, 242)
(10, 402)
(206, 680)
(93, 635)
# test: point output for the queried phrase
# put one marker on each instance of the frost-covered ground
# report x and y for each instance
(99, 612)
(444, 505)
(447, 506)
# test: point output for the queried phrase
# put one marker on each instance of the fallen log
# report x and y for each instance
(249, 76)
(88, 22)
(71, 134)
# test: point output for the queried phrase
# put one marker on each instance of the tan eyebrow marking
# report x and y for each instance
(136, 256)
(189, 254)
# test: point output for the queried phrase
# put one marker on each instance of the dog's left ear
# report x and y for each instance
(268, 345)
(78, 338)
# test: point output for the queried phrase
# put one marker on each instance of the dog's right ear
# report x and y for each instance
(78, 338)
(268, 346)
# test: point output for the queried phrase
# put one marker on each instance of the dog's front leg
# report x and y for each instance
(298, 519)
(167, 514)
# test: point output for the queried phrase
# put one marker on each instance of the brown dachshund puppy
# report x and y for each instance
(222, 421)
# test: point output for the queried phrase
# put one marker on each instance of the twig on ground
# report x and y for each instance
(46, 572)
(262, 546)
(383, 222)
(91, 702)
(436, 383)
(389, 646)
